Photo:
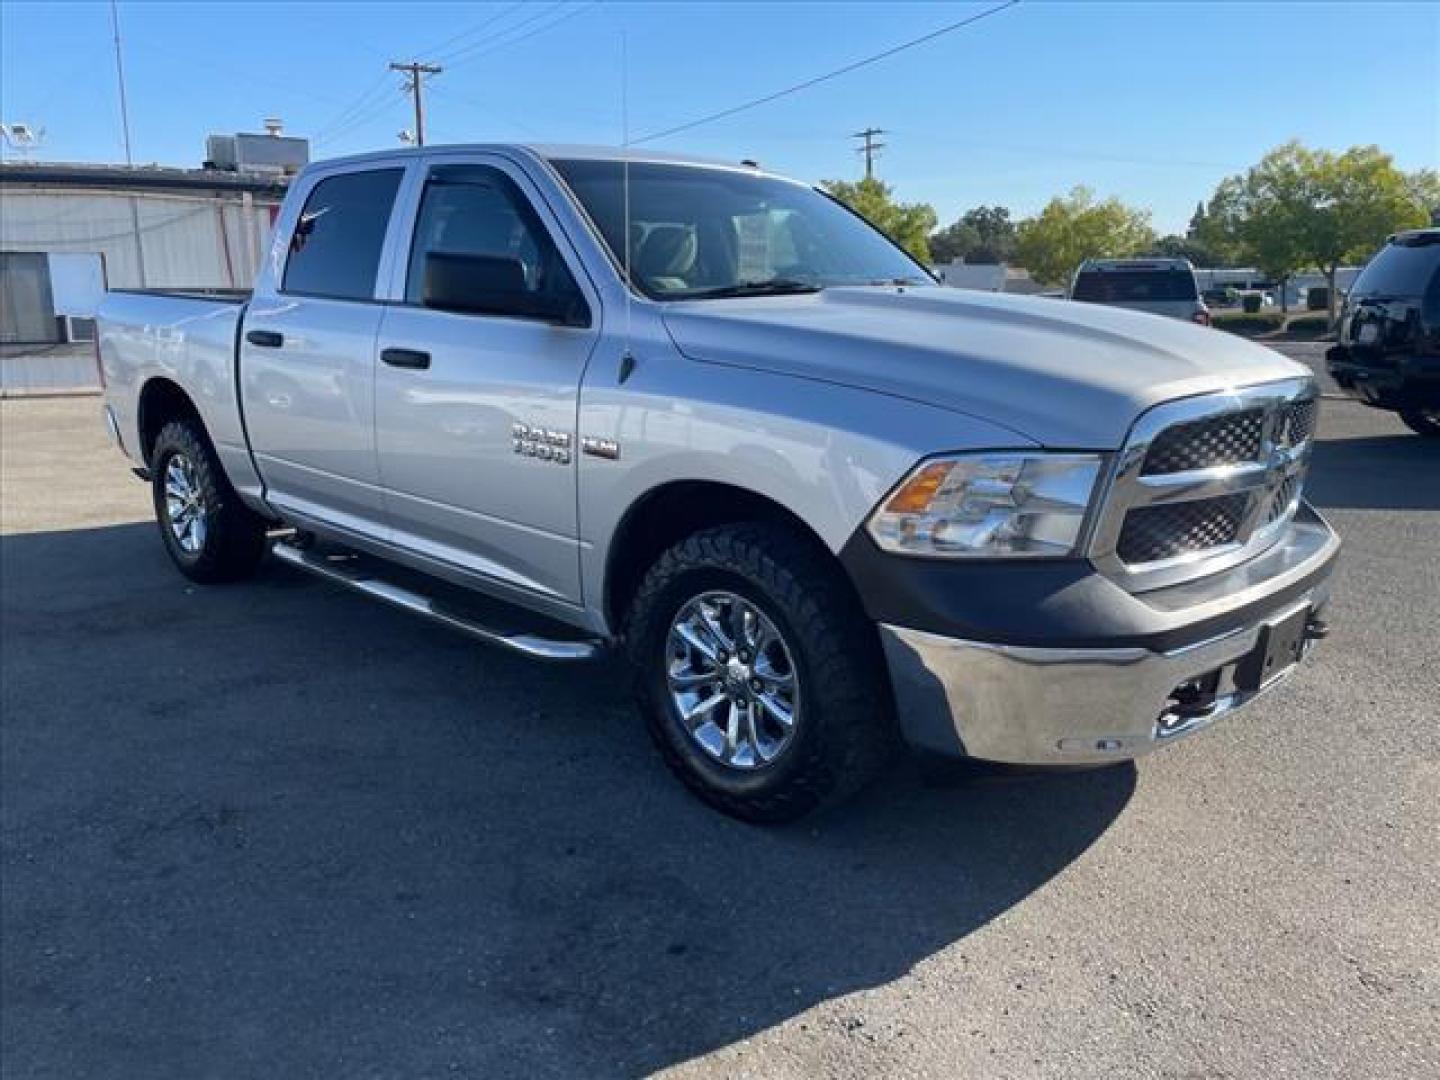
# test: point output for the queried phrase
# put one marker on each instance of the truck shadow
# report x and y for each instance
(1377, 472)
(328, 833)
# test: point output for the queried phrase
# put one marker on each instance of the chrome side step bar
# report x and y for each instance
(532, 645)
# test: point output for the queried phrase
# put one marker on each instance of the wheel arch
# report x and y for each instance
(161, 401)
(666, 514)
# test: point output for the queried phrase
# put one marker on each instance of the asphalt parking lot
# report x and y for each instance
(279, 830)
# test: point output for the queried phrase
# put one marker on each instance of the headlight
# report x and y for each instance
(987, 505)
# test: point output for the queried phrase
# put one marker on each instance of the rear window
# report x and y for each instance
(1406, 269)
(1118, 286)
(335, 249)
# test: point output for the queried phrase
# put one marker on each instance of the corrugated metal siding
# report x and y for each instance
(185, 241)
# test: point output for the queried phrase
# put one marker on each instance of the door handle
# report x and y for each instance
(265, 339)
(407, 358)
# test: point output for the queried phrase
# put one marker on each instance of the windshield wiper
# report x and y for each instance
(770, 287)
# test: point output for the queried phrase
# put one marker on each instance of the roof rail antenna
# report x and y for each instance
(627, 355)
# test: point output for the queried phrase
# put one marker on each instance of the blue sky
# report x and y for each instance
(1153, 102)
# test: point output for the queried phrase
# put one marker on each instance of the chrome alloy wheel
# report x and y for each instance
(732, 678)
(185, 504)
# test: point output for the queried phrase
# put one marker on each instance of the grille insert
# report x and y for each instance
(1203, 444)
(1299, 422)
(1168, 530)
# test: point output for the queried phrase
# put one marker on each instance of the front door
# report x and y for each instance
(475, 413)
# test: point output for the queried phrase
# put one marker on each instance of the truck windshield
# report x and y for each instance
(698, 233)
(1122, 286)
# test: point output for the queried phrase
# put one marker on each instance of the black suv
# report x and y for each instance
(1389, 350)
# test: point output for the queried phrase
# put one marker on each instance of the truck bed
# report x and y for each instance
(184, 336)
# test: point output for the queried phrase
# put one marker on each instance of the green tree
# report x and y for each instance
(1183, 247)
(1076, 227)
(982, 235)
(956, 241)
(1424, 185)
(1300, 207)
(908, 224)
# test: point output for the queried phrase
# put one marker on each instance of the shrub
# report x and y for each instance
(1250, 325)
(1311, 326)
(1251, 303)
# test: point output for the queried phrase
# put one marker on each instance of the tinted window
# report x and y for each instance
(697, 231)
(478, 210)
(335, 250)
(1121, 286)
(1400, 269)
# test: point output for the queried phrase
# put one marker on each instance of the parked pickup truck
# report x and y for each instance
(707, 420)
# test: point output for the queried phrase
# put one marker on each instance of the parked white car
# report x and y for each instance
(1159, 286)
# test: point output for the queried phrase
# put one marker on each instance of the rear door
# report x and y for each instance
(474, 413)
(307, 350)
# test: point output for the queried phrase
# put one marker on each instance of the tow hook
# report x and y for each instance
(1190, 701)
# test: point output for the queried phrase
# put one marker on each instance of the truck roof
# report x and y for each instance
(550, 152)
(1157, 263)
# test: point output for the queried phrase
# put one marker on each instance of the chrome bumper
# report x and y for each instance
(1029, 705)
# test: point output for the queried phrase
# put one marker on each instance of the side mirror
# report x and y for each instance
(489, 285)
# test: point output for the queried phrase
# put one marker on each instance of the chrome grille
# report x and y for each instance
(1205, 482)
(1204, 444)
(1152, 533)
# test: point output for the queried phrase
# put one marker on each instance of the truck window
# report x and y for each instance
(698, 232)
(335, 249)
(1119, 286)
(1403, 268)
(478, 210)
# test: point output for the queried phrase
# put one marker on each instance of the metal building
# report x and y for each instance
(65, 230)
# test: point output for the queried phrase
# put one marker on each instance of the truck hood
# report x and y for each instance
(1061, 374)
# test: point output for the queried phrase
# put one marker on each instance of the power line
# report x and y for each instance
(565, 16)
(484, 24)
(827, 76)
(367, 100)
(529, 20)
(871, 148)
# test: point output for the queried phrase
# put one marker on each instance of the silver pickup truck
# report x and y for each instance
(703, 418)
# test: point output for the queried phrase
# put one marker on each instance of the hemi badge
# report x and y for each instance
(605, 448)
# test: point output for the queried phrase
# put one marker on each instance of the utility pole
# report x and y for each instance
(415, 71)
(125, 134)
(871, 149)
(120, 76)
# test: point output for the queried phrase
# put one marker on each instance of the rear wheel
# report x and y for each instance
(210, 534)
(1422, 421)
(759, 675)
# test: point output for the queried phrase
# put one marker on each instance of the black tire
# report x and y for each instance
(1422, 421)
(233, 539)
(844, 730)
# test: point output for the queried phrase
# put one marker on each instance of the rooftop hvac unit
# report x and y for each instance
(252, 153)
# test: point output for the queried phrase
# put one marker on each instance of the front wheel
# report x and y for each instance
(1422, 421)
(210, 534)
(760, 677)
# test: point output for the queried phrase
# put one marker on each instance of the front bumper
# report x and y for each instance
(1115, 695)
(1391, 382)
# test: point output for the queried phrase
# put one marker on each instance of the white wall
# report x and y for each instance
(186, 240)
